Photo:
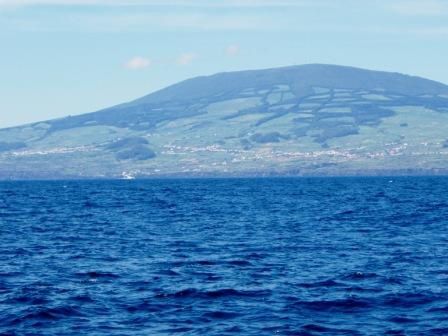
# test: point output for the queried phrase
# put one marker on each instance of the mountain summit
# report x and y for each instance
(299, 120)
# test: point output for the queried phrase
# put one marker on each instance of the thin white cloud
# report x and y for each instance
(139, 22)
(186, 58)
(165, 15)
(186, 3)
(60, 2)
(201, 19)
(433, 32)
(419, 7)
(138, 63)
(232, 50)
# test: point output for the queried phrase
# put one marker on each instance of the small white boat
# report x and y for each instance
(127, 176)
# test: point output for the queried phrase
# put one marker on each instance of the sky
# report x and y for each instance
(67, 57)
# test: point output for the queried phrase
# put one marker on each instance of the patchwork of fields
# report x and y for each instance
(261, 126)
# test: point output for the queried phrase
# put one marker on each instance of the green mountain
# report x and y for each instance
(301, 120)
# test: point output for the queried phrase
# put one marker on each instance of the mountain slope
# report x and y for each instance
(301, 79)
(310, 119)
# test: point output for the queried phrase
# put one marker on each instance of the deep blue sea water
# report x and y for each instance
(318, 256)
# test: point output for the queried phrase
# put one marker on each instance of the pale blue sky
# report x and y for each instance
(75, 56)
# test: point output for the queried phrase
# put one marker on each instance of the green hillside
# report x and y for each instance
(302, 120)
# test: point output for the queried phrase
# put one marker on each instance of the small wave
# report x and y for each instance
(345, 212)
(395, 332)
(190, 292)
(436, 206)
(318, 284)
(348, 304)
(408, 300)
(239, 262)
(234, 330)
(47, 314)
(255, 255)
(393, 280)
(89, 204)
(401, 319)
(22, 252)
(364, 289)
(82, 299)
(438, 331)
(28, 299)
(206, 262)
(177, 330)
(7, 215)
(220, 315)
(163, 204)
(219, 293)
(83, 215)
(438, 310)
(316, 328)
(40, 229)
(10, 274)
(380, 194)
(234, 292)
(148, 307)
(169, 272)
(359, 276)
(209, 276)
(97, 275)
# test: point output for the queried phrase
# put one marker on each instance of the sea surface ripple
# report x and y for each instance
(305, 256)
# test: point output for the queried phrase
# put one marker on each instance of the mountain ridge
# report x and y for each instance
(309, 119)
(292, 70)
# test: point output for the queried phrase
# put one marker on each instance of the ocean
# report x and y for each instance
(285, 256)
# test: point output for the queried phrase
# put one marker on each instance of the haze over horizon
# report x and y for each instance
(77, 56)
